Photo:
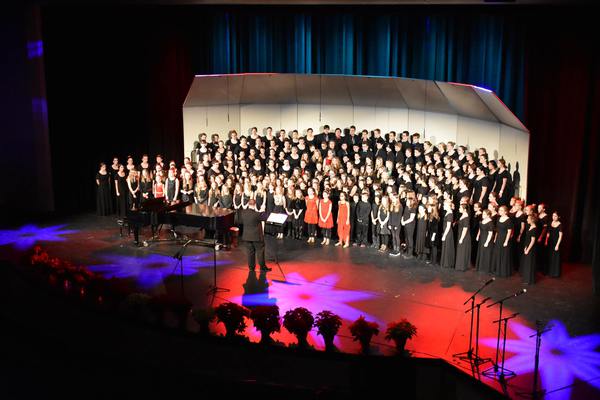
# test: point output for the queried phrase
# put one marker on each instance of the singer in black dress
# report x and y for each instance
(485, 248)
(145, 186)
(421, 237)
(501, 260)
(103, 191)
(553, 240)
(122, 191)
(527, 264)
(433, 235)
(448, 256)
(463, 247)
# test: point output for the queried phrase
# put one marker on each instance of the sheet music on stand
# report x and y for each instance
(277, 218)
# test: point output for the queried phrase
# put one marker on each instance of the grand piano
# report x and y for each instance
(156, 212)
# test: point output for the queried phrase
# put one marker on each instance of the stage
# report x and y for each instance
(353, 282)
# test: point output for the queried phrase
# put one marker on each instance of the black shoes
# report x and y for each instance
(252, 268)
(265, 268)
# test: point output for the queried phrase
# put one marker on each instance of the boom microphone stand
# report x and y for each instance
(535, 392)
(493, 371)
(468, 355)
(179, 264)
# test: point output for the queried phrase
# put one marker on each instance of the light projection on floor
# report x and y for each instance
(150, 270)
(26, 236)
(563, 358)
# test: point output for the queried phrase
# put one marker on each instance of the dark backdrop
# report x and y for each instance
(117, 78)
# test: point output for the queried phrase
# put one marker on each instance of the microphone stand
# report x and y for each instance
(478, 360)
(493, 371)
(468, 355)
(535, 392)
(179, 264)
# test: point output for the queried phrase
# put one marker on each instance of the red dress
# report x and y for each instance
(310, 216)
(343, 227)
(326, 208)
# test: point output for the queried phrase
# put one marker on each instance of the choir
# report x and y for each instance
(443, 204)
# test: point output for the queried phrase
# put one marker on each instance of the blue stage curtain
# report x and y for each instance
(481, 49)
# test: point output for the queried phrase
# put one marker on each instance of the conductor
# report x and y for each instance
(254, 236)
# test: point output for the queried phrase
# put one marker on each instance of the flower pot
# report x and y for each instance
(365, 343)
(302, 340)
(400, 344)
(329, 346)
(265, 337)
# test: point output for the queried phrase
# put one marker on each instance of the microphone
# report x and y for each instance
(517, 294)
(520, 292)
(488, 282)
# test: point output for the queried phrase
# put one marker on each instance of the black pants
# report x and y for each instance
(433, 254)
(312, 230)
(375, 235)
(362, 229)
(326, 233)
(395, 238)
(409, 232)
(256, 250)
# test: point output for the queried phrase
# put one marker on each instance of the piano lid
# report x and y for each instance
(203, 210)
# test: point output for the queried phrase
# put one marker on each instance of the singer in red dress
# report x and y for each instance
(343, 222)
(326, 217)
(310, 216)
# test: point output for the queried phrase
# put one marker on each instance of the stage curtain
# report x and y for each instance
(481, 49)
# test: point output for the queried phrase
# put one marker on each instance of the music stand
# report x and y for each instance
(214, 289)
(277, 220)
(179, 264)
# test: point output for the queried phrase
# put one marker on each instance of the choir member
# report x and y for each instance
(325, 217)
(409, 223)
(501, 260)
(146, 186)
(172, 187)
(421, 236)
(187, 188)
(121, 192)
(448, 252)
(103, 191)
(485, 247)
(383, 216)
(158, 188)
(553, 240)
(343, 221)
(311, 216)
(363, 214)
(527, 263)
(463, 246)
(133, 190)
(433, 227)
(300, 210)
(395, 223)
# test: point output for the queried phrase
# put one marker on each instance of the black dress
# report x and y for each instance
(553, 255)
(433, 242)
(448, 253)
(463, 250)
(421, 238)
(122, 198)
(133, 202)
(528, 260)
(483, 261)
(145, 189)
(501, 260)
(103, 195)
(508, 188)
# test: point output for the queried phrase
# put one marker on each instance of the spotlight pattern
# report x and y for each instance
(562, 357)
(26, 236)
(151, 270)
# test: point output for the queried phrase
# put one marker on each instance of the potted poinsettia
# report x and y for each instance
(400, 332)
(266, 321)
(233, 316)
(203, 317)
(363, 331)
(299, 322)
(328, 325)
